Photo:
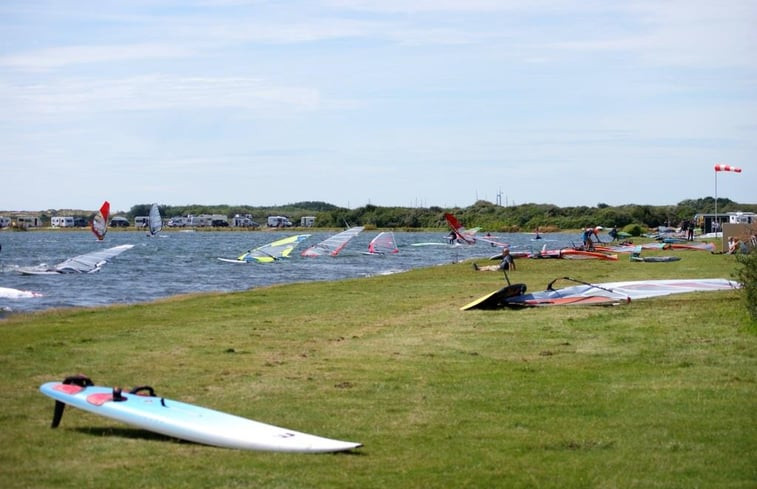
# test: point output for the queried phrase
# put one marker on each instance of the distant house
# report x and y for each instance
(307, 221)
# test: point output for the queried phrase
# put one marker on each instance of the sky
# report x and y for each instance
(413, 103)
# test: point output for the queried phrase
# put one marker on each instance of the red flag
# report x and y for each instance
(720, 167)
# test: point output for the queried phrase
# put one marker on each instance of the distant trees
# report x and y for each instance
(483, 214)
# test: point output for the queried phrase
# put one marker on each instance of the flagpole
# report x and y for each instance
(716, 202)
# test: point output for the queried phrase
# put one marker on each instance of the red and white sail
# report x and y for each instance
(462, 234)
(382, 244)
(721, 167)
(100, 221)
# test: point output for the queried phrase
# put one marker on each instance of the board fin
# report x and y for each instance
(82, 381)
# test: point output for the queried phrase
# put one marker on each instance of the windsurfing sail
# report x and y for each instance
(100, 221)
(462, 234)
(383, 244)
(9, 293)
(333, 245)
(270, 252)
(156, 222)
(86, 263)
(617, 292)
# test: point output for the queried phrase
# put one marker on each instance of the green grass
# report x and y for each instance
(657, 393)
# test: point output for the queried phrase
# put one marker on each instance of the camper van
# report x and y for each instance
(28, 222)
(141, 222)
(62, 222)
(279, 222)
(742, 217)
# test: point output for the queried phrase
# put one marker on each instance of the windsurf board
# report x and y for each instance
(141, 408)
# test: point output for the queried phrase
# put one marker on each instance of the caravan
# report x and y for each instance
(62, 222)
(279, 222)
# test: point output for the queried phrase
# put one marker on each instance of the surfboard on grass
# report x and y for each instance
(142, 408)
(496, 299)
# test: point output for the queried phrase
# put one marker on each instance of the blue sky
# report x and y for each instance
(386, 102)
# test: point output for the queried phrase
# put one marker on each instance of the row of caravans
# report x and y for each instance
(204, 220)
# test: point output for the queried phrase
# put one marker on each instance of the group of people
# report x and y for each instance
(735, 245)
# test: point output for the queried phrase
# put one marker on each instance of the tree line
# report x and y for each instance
(483, 214)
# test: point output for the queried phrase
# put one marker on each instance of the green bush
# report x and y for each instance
(633, 229)
(747, 276)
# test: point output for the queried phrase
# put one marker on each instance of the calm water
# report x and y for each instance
(185, 262)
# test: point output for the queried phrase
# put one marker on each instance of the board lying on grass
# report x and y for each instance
(142, 408)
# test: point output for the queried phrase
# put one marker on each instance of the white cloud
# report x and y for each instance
(154, 92)
(58, 57)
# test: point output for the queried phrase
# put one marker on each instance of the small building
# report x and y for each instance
(307, 221)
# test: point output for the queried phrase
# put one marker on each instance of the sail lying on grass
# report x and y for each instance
(100, 221)
(276, 250)
(383, 244)
(156, 222)
(609, 293)
(622, 291)
(333, 245)
(86, 263)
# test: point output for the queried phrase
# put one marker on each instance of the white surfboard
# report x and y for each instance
(185, 421)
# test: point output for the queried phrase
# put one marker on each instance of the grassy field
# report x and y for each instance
(658, 393)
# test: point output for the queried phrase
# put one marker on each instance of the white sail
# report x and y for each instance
(333, 245)
(383, 244)
(86, 263)
(156, 222)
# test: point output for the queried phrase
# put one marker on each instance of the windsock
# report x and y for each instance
(720, 167)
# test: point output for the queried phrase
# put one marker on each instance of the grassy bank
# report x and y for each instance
(657, 393)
